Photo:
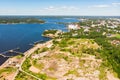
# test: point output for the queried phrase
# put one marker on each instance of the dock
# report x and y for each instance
(3, 54)
(41, 41)
(36, 42)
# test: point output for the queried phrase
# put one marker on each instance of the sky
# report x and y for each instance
(60, 7)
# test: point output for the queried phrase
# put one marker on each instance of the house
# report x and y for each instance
(111, 26)
(73, 26)
(86, 28)
(115, 42)
(75, 34)
(17, 65)
(93, 25)
(108, 35)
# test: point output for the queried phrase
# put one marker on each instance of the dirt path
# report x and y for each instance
(111, 77)
(27, 54)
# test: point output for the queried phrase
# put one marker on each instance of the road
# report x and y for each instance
(27, 54)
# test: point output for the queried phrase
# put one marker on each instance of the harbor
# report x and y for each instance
(16, 51)
(10, 53)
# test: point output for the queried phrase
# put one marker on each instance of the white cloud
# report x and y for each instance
(50, 8)
(61, 8)
(116, 4)
(69, 8)
(99, 6)
(65, 10)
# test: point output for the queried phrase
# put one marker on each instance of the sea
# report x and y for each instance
(20, 36)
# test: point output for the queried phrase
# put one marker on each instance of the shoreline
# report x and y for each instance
(18, 23)
(4, 61)
(26, 53)
(18, 65)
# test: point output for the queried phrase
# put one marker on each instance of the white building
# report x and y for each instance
(73, 26)
(112, 26)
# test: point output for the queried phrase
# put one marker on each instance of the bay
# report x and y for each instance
(21, 35)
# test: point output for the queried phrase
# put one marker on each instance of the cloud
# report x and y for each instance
(105, 5)
(50, 8)
(116, 4)
(65, 10)
(61, 8)
(99, 6)
(69, 8)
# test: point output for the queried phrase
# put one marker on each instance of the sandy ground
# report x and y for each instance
(10, 77)
(34, 69)
(111, 77)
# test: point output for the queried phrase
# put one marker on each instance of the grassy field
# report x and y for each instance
(6, 72)
(118, 36)
(23, 76)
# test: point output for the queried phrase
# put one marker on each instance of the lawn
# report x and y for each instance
(118, 36)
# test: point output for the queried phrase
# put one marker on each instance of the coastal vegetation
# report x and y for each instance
(23, 76)
(15, 20)
(109, 53)
(118, 36)
(89, 53)
(5, 72)
(71, 51)
(8, 70)
(51, 33)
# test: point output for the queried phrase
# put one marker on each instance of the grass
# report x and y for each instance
(39, 66)
(82, 62)
(41, 50)
(23, 76)
(8, 70)
(72, 45)
(19, 56)
(118, 36)
(102, 75)
(5, 72)
(72, 72)
(26, 65)
(49, 32)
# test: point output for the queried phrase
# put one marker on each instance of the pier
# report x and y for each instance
(3, 54)
(36, 42)
(41, 41)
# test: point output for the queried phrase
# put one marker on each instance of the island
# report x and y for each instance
(19, 20)
(90, 52)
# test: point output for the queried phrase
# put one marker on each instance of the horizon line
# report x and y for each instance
(60, 15)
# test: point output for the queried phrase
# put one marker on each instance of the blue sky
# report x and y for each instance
(60, 7)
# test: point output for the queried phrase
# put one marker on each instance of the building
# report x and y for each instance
(73, 26)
